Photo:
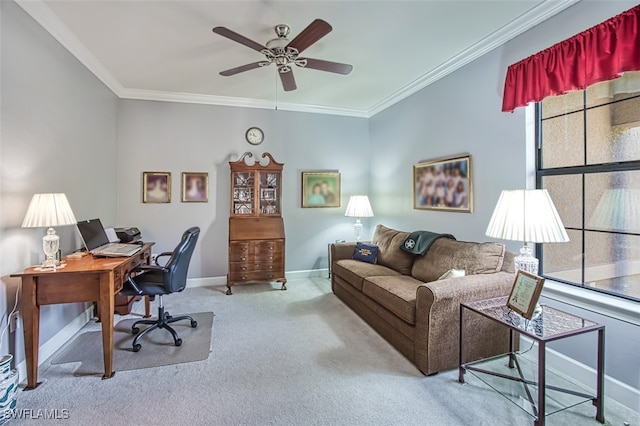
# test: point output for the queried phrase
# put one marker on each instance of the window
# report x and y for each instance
(588, 158)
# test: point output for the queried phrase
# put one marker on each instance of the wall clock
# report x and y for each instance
(254, 135)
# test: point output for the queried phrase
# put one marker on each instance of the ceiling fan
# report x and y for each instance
(284, 53)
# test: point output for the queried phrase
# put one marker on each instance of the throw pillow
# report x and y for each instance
(452, 273)
(366, 252)
(389, 253)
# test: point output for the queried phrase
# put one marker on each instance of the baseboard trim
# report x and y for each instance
(291, 275)
(57, 341)
(578, 372)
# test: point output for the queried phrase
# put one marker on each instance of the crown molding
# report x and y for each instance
(39, 11)
(195, 98)
(518, 26)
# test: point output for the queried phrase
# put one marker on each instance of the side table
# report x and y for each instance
(514, 376)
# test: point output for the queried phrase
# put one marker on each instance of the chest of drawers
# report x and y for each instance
(256, 251)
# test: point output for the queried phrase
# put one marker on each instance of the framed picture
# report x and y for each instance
(156, 187)
(525, 293)
(320, 189)
(195, 187)
(268, 194)
(443, 184)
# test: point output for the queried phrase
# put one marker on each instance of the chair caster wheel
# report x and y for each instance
(194, 324)
(179, 342)
(137, 347)
(167, 316)
(135, 330)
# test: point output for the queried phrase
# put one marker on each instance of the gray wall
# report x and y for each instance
(461, 114)
(58, 135)
(176, 138)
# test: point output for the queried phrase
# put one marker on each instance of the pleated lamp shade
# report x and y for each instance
(526, 215)
(48, 210)
(359, 206)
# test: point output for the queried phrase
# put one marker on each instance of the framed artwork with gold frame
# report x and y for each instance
(443, 184)
(195, 187)
(320, 189)
(156, 187)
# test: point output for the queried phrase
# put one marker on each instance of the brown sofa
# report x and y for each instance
(402, 299)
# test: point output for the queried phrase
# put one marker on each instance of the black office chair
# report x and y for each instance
(157, 280)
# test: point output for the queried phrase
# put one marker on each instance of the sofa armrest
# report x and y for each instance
(453, 291)
(438, 317)
(341, 251)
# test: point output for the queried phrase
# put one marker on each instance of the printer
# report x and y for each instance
(128, 235)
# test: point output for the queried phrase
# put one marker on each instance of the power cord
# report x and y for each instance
(13, 311)
(533, 342)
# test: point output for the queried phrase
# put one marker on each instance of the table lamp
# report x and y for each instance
(526, 215)
(358, 207)
(49, 210)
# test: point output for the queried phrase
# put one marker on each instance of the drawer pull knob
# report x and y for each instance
(270, 247)
(270, 257)
(244, 248)
(244, 278)
(243, 258)
(244, 268)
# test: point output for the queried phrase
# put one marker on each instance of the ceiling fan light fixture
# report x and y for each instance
(284, 53)
(277, 44)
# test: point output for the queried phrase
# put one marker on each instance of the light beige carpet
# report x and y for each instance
(157, 347)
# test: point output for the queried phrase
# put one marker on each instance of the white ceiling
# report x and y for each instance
(165, 50)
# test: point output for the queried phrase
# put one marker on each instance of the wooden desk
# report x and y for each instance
(87, 279)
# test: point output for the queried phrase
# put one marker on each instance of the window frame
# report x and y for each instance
(583, 171)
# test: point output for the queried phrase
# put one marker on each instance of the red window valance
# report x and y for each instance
(600, 53)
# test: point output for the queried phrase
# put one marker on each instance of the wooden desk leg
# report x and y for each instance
(106, 317)
(31, 324)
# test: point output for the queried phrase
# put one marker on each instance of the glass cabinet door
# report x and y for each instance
(269, 193)
(242, 202)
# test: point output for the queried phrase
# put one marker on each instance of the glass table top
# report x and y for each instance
(551, 323)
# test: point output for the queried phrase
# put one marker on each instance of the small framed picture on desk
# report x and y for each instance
(525, 293)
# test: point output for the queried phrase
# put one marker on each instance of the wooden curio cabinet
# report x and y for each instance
(256, 229)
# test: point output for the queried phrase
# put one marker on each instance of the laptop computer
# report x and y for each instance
(97, 243)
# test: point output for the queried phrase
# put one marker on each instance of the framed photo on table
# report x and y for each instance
(525, 294)
(443, 184)
(156, 187)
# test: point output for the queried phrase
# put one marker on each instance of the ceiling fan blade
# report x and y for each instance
(314, 32)
(336, 67)
(232, 35)
(288, 81)
(242, 68)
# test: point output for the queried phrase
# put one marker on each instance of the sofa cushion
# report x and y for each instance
(389, 242)
(354, 271)
(366, 252)
(446, 254)
(396, 293)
